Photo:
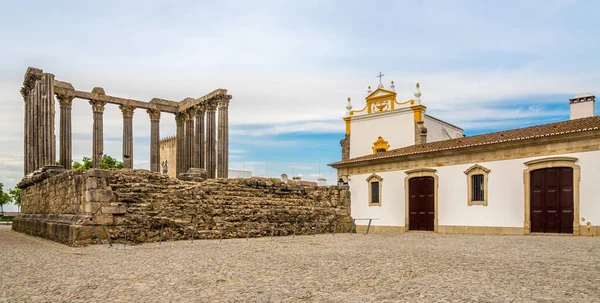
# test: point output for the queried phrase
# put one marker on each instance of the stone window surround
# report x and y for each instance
(421, 172)
(477, 170)
(374, 178)
(549, 163)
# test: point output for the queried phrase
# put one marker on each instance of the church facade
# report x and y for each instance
(410, 171)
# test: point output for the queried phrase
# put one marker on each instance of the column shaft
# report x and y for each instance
(199, 140)
(223, 143)
(98, 141)
(65, 145)
(189, 141)
(26, 134)
(39, 142)
(211, 157)
(127, 135)
(154, 140)
(49, 139)
(179, 157)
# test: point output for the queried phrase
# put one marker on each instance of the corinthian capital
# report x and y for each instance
(179, 119)
(223, 101)
(210, 105)
(199, 110)
(65, 101)
(97, 106)
(154, 114)
(127, 110)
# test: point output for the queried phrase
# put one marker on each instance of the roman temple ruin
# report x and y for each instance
(195, 118)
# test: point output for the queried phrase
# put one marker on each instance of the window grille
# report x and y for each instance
(374, 192)
(477, 187)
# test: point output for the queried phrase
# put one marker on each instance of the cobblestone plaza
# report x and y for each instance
(408, 267)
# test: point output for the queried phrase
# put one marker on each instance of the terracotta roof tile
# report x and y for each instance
(526, 133)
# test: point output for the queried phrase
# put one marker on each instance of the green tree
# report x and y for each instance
(107, 162)
(15, 195)
(4, 199)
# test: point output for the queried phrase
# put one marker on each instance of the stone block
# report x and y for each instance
(114, 209)
(99, 195)
(100, 173)
(103, 219)
(91, 207)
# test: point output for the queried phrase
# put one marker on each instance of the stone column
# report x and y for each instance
(223, 143)
(199, 160)
(98, 142)
(66, 150)
(179, 157)
(127, 135)
(189, 139)
(154, 139)
(211, 132)
(49, 139)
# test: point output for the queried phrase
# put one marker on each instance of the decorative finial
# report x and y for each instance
(393, 87)
(348, 107)
(369, 89)
(417, 95)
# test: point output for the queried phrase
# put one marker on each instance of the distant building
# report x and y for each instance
(322, 182)
(240, 173)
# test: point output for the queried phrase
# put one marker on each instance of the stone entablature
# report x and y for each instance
(39, 90)
(60, 205)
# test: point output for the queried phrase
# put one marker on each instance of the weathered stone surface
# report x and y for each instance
(140, 202)
(100, 173)
(114, 209)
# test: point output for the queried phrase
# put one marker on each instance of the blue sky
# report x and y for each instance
(290, 65)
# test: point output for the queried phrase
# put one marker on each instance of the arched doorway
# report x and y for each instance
(551, 200)
(421, 201)
(421, 204)
(552, 195)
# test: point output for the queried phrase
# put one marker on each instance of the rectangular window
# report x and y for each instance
(374, 192)
(477, 187)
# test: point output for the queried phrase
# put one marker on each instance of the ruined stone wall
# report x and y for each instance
(138, 203)
(168, 149)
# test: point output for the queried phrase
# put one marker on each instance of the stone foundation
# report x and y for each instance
(62, 205)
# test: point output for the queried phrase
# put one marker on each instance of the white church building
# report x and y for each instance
(411, 171)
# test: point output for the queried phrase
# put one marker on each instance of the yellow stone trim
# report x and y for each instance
(480, 230)
(549, 163)
(405, 102)
(477, 170)
(380, 143)
(374, 178)
(421, 172)
(419, 111)
(474, 230)
(358, 111)
(347, 119)
(389, 93)
(588, 230)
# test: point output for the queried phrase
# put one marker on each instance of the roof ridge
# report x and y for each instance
(517, 134)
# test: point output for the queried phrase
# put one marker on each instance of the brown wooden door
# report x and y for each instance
(421, 203)
(551, 200)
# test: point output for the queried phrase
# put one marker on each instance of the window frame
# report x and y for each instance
(371, 179)
(472, 171)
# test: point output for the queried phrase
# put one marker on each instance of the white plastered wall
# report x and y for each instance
(397, 127)
(391, 211)
(435, 129)
(505, 194)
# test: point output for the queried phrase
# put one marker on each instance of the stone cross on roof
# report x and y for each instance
(380, 76)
